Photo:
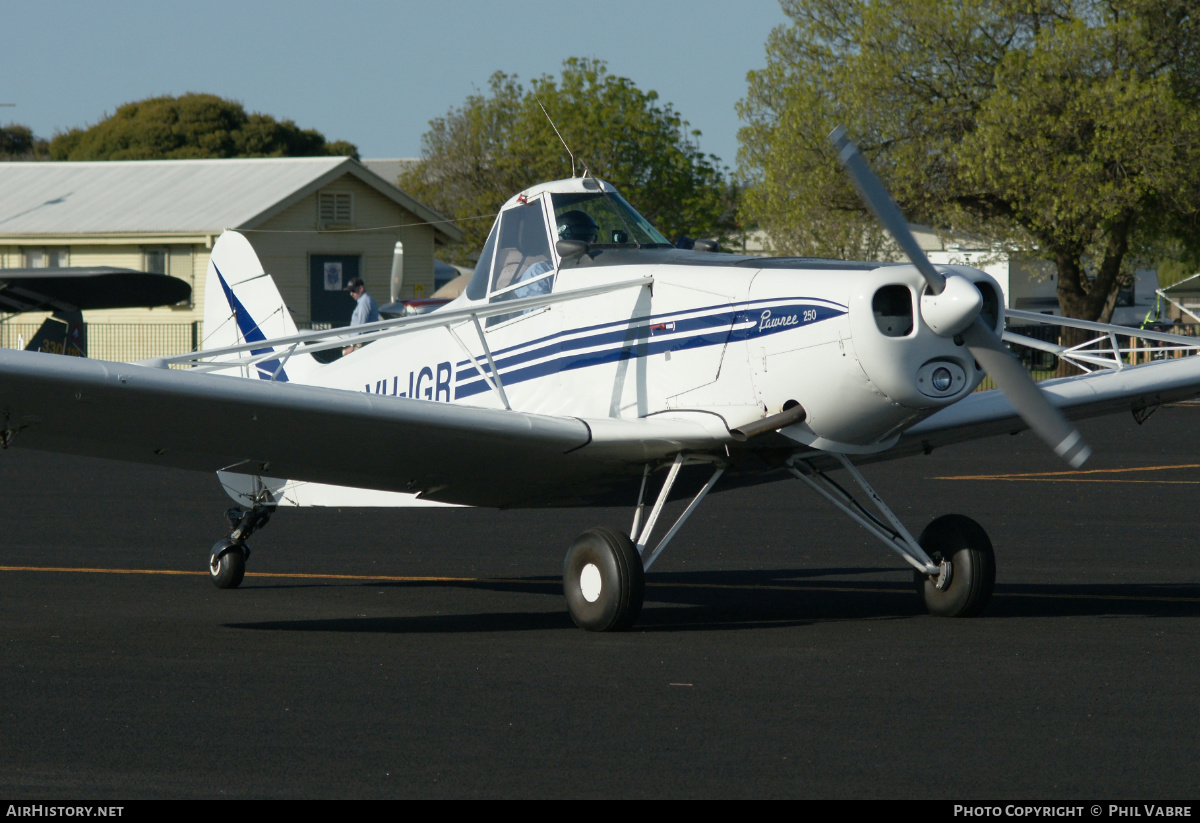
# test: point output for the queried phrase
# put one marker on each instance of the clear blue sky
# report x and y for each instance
(373, 73)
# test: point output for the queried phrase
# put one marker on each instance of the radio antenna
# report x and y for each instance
(570, 153)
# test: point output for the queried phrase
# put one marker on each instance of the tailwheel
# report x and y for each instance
(603, 580)
(227, 565)
(968, 563)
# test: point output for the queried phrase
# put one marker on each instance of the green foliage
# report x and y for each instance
(1065, 129)
(19, 143)
(191, 126)
(1171, 272)
(498, 143)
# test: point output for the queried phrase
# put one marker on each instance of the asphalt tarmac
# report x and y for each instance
(781, 651)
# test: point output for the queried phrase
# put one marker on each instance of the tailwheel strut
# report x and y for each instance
(227, 560)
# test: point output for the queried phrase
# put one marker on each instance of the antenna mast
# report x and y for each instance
(570, 153)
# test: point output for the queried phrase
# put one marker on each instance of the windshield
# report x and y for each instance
(606, 216)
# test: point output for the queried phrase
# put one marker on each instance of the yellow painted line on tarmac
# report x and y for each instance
(1086, 476)
(1076, 480)
(298, 575)
(92, 571)
(907, 590)
(1154, 597)
(650, 584)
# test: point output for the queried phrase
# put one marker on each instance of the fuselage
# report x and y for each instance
(736, 338)
(585, 312)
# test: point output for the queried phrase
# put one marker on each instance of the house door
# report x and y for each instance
(328, 276)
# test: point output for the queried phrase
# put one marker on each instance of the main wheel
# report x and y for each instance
(965, 544)
(603, 580)
(227, 566)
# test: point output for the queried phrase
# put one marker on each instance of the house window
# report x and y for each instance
(50, 257)
(335, 207)
(155, 261)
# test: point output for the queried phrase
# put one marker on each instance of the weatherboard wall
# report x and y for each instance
(286, 242)
(188, 262)
(125, 334)
(285, 236)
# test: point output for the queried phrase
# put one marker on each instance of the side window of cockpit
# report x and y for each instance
(477, 285)
(523, 265)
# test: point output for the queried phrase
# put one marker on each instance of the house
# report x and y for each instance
(315, 222)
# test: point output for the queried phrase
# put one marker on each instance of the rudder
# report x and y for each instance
(243, 305)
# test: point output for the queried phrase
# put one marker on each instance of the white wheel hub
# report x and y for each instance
(589, 582)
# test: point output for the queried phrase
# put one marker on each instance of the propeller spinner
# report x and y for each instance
(951, 305)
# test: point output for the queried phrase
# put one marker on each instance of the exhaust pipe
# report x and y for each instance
(793, 414)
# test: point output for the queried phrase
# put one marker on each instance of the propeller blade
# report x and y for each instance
(873, 193)
(989, 351)
(1011, 378)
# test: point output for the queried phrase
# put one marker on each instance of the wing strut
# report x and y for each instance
(492, 384)
(491, 363)
(314, 341)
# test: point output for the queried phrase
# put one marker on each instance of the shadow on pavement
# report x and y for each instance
(777, 598)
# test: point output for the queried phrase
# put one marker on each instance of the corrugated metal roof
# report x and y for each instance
(167, 196)
(390, 168)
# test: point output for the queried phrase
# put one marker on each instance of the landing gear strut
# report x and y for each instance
(954, 567)
(604, 571)
(227, 562)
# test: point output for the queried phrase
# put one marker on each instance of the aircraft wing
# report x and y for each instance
(87, 289)
(448, 453)
(988, 413)
(208, 422)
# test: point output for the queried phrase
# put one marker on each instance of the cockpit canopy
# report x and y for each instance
(616, 222)
(520, 259)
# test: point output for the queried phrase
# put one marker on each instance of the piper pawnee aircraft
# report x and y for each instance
(590, 363)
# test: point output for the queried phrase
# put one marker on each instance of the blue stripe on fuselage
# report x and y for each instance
(636, 338)
(837, 308)
(626, 334)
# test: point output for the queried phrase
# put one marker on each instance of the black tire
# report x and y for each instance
(965, 544)
(603, 580)
(227, 565)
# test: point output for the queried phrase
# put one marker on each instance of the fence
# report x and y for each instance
(127, 342)
(119, 342)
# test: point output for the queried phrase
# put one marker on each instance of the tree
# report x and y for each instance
(19, 143)
(496, 144)
(191, 126)
(1062, 129)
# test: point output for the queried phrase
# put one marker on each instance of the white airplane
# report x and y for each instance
(586, 360)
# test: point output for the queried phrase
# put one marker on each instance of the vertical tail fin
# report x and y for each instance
(243, 305)
(64, 332)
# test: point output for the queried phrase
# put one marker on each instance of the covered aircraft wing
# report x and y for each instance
(87, 289)
(452, 453)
